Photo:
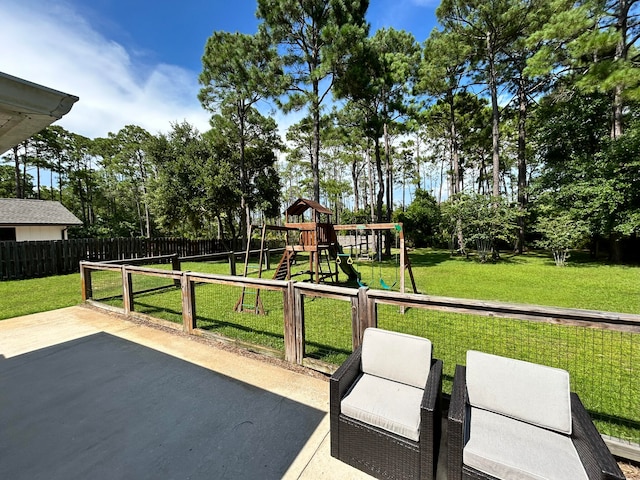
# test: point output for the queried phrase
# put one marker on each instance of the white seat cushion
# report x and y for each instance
(396, 356)
(510, 449)
(389, 405)
(526, 391)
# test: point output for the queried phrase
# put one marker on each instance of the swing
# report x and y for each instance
(384, 284)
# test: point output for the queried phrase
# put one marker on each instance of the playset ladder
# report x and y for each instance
(283, 270)
(242, 305)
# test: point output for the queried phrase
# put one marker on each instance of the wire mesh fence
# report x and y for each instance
(327, 329)
(159, 297)
(604, 365)
(106, 287)
(602, 356)
(251, 315)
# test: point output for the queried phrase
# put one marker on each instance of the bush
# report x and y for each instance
(560, 233)
(481, 220)
(421, 220)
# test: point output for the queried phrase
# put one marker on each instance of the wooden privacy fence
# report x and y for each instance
(317, 325)
(21, 260)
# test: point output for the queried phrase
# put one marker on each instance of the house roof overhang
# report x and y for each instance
(26, 108)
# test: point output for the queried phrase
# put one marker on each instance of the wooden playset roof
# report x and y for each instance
(301, 205)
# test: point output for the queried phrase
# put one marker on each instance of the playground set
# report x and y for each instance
(317, 237)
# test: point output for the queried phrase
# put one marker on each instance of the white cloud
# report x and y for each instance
(51, 44)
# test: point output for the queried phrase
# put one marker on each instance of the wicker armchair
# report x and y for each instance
(538, 429)
(389, 428)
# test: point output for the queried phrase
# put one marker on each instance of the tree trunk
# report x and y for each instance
(24, 172)
(219, 224)
(16, 160)
(143, 178)
(315, 152)
(418, 162)
(522, 161)
(453, 145)
(380, 196)
(372, 202)
(244, 181)
(354, 179)
(495, 114)
(441, 181)
(621, 53)
(60, 179)
(389, 187)
(140, 225)
(38, 173)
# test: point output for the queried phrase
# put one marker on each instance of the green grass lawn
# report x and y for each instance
(23, 297)
(531, 278)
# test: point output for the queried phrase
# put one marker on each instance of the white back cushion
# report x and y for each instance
(533, 393)
(396, 356)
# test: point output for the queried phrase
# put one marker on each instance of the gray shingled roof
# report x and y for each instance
(17, 211)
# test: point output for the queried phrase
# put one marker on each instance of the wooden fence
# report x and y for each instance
(580, 333)
(21, 260)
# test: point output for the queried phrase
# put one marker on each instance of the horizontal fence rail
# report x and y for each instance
(319, 325)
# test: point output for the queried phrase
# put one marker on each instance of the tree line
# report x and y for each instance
(515, 122)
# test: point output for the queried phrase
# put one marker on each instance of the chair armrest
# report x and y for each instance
(593, 452)
(431, 421)
(456, 423)
(433, 388)
(339, 384)
(341, 381)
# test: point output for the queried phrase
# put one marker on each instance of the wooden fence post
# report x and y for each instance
(372, 312)
(298, 316)
(267, 259)
(85, 279)
(175, 265)
(232, 263)
(127, 290)
(359, 317)
(175, 262)
(290, 345)
(188, 303)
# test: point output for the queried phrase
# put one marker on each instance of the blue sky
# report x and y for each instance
(137, 61)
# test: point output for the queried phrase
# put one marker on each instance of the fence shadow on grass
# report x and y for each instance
(252, 334)
(150, 309)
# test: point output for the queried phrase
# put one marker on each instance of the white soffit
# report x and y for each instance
(26, 108)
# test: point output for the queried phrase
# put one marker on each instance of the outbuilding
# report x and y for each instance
(29, 220)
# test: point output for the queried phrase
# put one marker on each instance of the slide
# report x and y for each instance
(346, 267)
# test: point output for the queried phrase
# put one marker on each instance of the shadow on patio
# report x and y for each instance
(89, 395)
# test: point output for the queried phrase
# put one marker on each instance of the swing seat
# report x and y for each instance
(384, 285)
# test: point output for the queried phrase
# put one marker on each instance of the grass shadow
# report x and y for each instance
(244, 332)
(429, 258)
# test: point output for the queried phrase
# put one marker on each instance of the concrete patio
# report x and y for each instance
(20, 336)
